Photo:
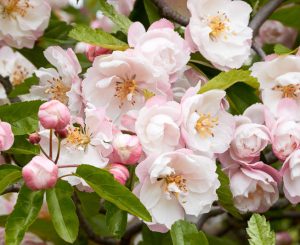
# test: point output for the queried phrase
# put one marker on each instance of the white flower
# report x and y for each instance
(219, 30)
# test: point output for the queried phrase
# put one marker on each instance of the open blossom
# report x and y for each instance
(122, 81)
(254, 189)
(6, 136)
(206, 126)
(21, 21)
(166, 50)
(219, 30)
(62, 83)
(279, 79)
(158, 125)
(176, 183)
(291, 177)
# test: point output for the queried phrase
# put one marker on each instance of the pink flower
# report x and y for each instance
(123, 6)
(254, 189)
(54, 115)
(291, 177)
(6, 136)
(119, 172)
(22, 22)
(166, 50)
(126, 149)
(40, 173)
(158, 125)
(93, 51)
(122, 81)
(206, 125)
(175, 184)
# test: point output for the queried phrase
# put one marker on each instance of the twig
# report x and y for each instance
(131, 232)
(258, 50)
(285, 215)
(8, 88)
(205, 217)
(12, 188)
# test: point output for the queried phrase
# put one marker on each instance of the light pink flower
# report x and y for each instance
(174, 184)
(54, 115)
(6, 136)
(126, 149)
(40, 173)
(122, 6)
(22, 22)
(92, 52)
(206, 125)
(219, 30)
(291, 177)
(121, 82)
(119, 171)
(166, 50)
(254, 189)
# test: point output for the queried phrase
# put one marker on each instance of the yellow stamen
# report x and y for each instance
(205, 124)
(288, 91)
(125, 88)
(10, 7)
(78, 137)
(218, 25)
(58, 90)
(19, 75)
(177, 180)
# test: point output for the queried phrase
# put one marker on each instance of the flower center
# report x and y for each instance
(10, 7)
(218, 25)
(78, 137)
(178, 180)
(19, 75)
(288, 91)
(58, 90)
(125, 90)
(205, 124)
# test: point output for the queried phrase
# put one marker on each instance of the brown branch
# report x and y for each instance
(131, 232)
(207, 216)
(12, 188)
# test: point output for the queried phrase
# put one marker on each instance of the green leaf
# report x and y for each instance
(63, 211)
(9, 174)
(185, 233)
(22, 146)
(280, 49)
(152, 11)
(24, 214)
(259, 231)
(35, 56)
(288, 16)
(97, 37)
(116, 219)
(22, 116)
(225, 195)
(24, 87)
(226, 79)
(150, 237)
(120, 20)
(104, 184)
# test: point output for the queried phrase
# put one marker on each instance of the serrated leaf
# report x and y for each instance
(152, 11)
(224, 194)
(185, 233)
(226, 79)
(116, 219)
(9, 174)
(259, 231)
(22, 116)
(120, 20)
(104, 184)
(24, 87)
(24, 214)
(63, 211)
(97, 37)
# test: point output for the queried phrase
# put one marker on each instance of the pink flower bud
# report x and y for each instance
(6, 136)
(119, 172)
(40, 173)
(126, 149)
(34, 138)
(283, 238)
(62, 133)
(93, 51)
(54, 115)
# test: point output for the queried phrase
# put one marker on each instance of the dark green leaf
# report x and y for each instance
(220, 240)
(116, 219)
(63, 211)
(288, 16)
(22, 146)
(152, 11)
(120, 20)
(97, 37)
(150, 237)
(35, 56)
(22, 116)
(24, 214)
(24, 87)
(226, 79)
(9, 174)
(225, 195)
(109, 189)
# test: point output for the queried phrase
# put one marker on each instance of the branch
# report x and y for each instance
(12, 188)
(207, 216)
(131, 232)
(8, 88)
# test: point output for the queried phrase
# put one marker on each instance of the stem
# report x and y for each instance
(44, 152)
(50, 143)
(69, 166)
(58, 150)
(207, 216)
(66, 175)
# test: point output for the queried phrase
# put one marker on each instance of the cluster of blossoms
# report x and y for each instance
(141, 107)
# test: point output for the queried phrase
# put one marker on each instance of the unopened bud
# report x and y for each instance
(34, 138)
(62, 133)
(120, 172)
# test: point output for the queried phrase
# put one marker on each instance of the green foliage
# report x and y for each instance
(24, 87)
(120, 20)
(116, 219)
(185, 233)
(225, 195)
(152, 11)
(288, 15)
(63, 211)
(280, 49)
(9, 174)
(259, 231)
(22, 146)
(24, 214)
(97, 37)
(35, 56)
(109, 189)
(150, 237)
(226, 79)
(22, 116)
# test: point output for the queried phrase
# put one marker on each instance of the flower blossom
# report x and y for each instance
(6, 136)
